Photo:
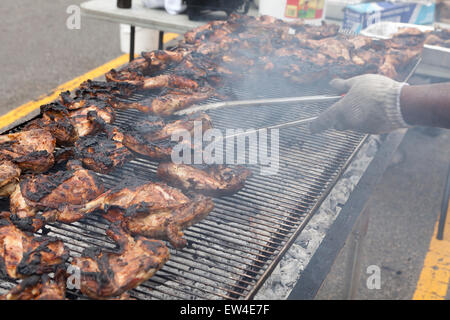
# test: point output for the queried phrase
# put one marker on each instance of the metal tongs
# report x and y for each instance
(278, 101)
(258, 102)
(255, 102)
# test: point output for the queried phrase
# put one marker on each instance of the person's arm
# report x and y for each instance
(377, 104)
(426, 105)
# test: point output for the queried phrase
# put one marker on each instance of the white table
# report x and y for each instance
(141, 16)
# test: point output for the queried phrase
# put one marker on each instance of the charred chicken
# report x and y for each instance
(101, 154)
(23, 255)
(153, 209)
(9, 177)
(48, 197)
(216, 180)
(109, 274)
(39, 287)
(152, 137)
(165, 223)
(30, 150)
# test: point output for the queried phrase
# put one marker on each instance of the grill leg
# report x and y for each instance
(132, 39)
(161, 40)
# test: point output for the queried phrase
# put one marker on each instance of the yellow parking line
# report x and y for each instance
(435, 276)
(28, 107)
(170, 36)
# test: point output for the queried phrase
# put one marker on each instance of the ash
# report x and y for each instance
(288, 271)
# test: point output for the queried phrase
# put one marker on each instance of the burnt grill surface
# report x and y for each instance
(233, 250)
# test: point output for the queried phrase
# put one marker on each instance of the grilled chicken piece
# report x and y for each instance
(53, 194)
(61, 128)
(154, 210)
(396, 59)
(144, 198)
(150, 62)
(152, 137)
(87, 120)
(39, 287)
(367, 57)
(72, 118)
(160, 59)
(31, 150)
(173, 101)
(407, 38)
(306, 31)
(168, 102)
(23, 255)
(153, 150)
(129, 77)
(199, 34)
(439, 37)
(74, 103)
(101, 154)
(109, 274)
(202, 68)
(360, 42)
(156, 128)
(168, 81)
(216, 180)
(83, 119)
(333, 48)
(165, 223)
(151, 83)
(139, 64)
(9, 177)
(435, 40)
(96, 88)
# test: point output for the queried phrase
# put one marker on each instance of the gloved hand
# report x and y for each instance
(371, 105)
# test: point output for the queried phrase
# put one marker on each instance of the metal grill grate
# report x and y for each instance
(233, 250)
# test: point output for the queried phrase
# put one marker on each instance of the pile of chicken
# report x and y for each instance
(49, 170)
(439, 37)
(221, 52)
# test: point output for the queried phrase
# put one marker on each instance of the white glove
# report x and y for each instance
(371, 105)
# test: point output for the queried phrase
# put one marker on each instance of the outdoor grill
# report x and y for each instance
(234, 250)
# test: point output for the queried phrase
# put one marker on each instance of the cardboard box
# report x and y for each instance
(359, 16)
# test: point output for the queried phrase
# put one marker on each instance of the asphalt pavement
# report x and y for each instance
(39, 52)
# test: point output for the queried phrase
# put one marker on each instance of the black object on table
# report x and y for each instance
(124, 4)
(197, 9)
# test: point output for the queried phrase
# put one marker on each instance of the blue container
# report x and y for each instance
(359, 16)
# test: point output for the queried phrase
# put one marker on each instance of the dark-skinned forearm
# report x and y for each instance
(426, 105)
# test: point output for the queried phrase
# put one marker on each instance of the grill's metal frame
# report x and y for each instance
(321, 262)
